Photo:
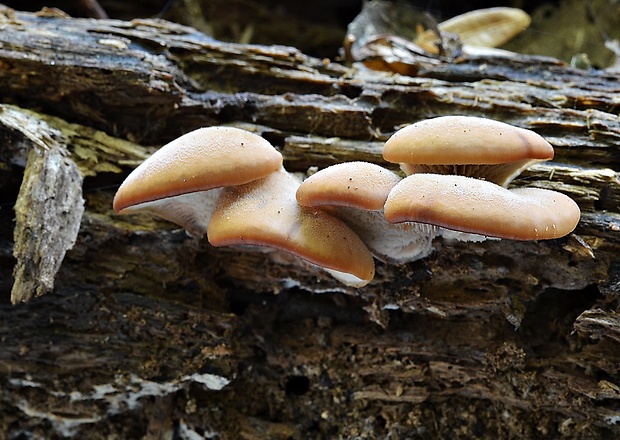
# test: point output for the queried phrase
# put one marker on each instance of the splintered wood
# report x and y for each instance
(48, 213)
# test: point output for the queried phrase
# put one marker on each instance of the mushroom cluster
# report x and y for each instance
(458, 168)
(230, 184)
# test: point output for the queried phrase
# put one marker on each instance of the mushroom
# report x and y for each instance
(466, 145)
(361, 185)
(265, 213)
(471, 205)
(180, 181)
(356, 192)
(481, 28)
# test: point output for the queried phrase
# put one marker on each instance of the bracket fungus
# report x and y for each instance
(231, 185)
(356, 192)
(476, 206)
(180, 182)
(265, 213)
(361, 185)
(466, 145)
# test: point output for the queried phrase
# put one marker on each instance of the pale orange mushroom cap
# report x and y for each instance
(360, 185)
(466, 140)
(490, 27)
(472, 205)
(357, 192)
(266, 213)
(200, 160)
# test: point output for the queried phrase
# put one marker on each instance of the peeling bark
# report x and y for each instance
(48, 213)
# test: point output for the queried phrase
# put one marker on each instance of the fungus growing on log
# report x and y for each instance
(359, 185)
(466, 145)
(356, 192)
(471, 205)
(265, 212)
(231, 184)
(481, 28)
(180, 182)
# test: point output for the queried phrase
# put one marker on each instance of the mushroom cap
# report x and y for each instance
(265, 213)
(354, 184)
(471, 205)
(200, 160)
(357, 191)
(486, 28)
(448, 140)
(489, 27)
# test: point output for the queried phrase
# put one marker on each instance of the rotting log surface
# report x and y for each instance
(150, 331)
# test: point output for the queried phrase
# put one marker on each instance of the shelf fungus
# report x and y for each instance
(458, 168)
(181, 182)
(230, 184)
(466, 145)
(356, 193)
(265, 213)
(476, 206)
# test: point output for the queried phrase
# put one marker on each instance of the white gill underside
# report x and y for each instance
(391, 243)
(190, 211)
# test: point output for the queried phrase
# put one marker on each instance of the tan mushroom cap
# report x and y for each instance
(200, 160)
(357, 191)
(266, 213)
(471, 205)
(354, 184)
(437, 145)
(489, 27)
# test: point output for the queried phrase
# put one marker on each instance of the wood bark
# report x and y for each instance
(152, 333)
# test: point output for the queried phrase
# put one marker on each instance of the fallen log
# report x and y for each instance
(149, 331)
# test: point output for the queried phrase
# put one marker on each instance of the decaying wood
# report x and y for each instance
(48, 213)
(49, 207)
(152, 332)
